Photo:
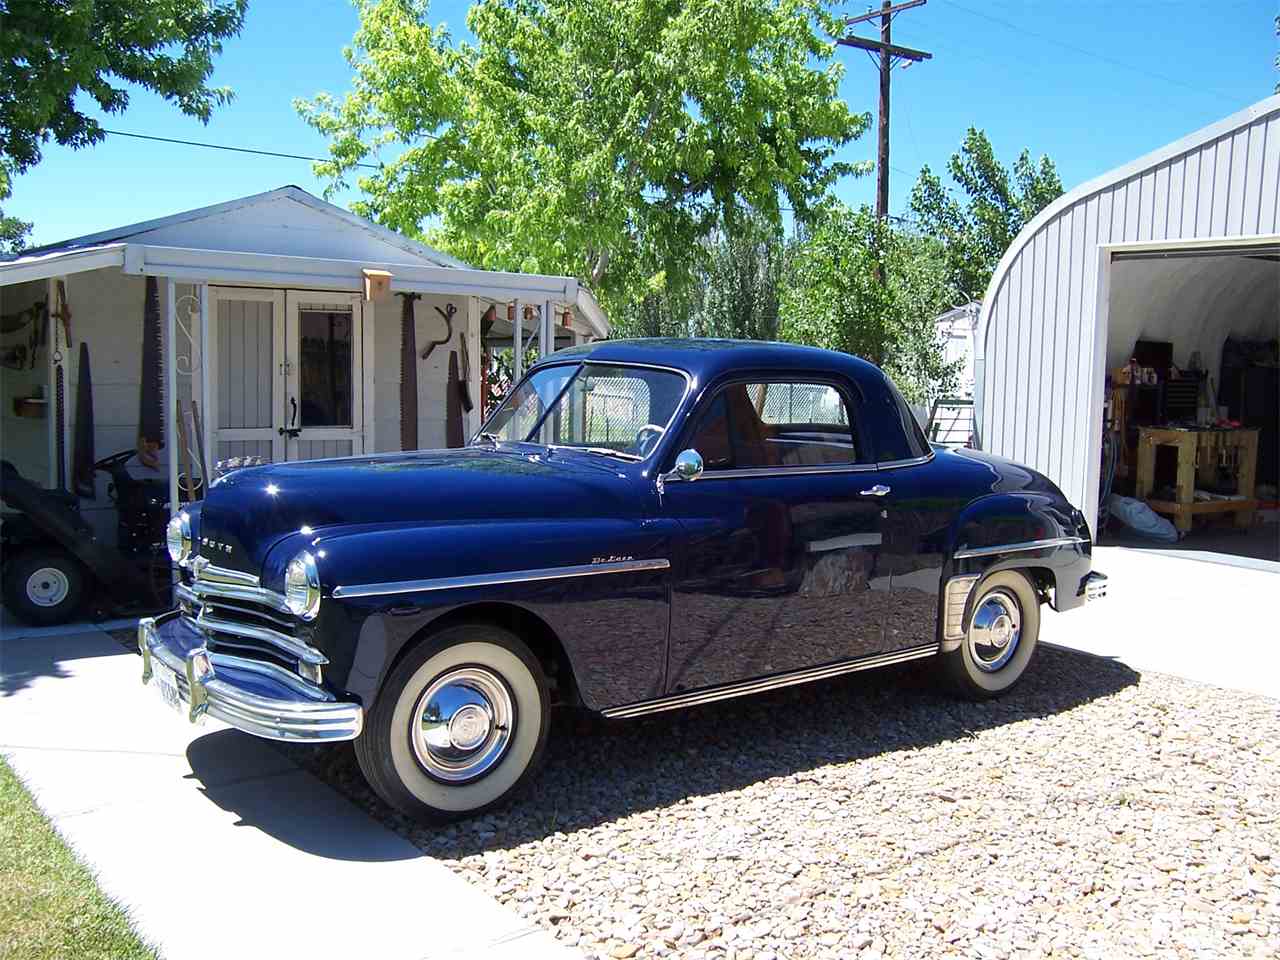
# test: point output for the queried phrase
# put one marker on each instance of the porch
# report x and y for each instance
(275, 327)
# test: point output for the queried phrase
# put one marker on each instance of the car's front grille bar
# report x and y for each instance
(233, 610)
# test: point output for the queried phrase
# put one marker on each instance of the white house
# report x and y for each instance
(268, 333)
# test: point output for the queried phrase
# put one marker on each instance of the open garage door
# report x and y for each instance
(1193, 394)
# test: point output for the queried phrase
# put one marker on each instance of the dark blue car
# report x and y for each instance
(640, 526)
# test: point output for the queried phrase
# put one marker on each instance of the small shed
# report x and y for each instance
(270, 325)
(1181, 249)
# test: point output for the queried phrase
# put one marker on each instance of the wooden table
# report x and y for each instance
(1200, 453)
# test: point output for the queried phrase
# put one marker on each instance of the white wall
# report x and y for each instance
(25, 440)
(1194, 303)
(433, 373)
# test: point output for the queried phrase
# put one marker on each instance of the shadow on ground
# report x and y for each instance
(597, 771)
(24, 659)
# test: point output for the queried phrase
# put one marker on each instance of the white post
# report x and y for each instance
(517, 346)
(51, 392)
(472, 373)
(171, 388)
(548, 329)
(206, 384)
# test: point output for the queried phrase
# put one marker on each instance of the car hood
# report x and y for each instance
(249, 511)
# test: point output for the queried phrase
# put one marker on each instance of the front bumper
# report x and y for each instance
(256, 697)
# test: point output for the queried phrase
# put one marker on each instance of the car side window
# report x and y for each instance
(777, 424)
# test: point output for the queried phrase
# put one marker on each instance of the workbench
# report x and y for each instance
(1201, 452)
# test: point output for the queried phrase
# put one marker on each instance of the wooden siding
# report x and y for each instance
(1037, 335)
(245, 364)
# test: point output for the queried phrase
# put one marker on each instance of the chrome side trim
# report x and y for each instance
(207, 624)
(496, 579)
(784, 471)
(909, 462)
(679, 700)
(1023, 547)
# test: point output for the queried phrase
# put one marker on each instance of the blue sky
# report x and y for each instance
(1092, 83)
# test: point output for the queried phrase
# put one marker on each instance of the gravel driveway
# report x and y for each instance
(1090, 813)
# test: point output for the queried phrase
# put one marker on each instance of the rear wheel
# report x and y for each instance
(1001, 639)
(459, 726)
(44, 586)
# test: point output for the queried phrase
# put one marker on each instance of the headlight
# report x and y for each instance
(178, 538)
(302, 586)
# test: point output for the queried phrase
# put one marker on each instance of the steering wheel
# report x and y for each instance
(647, 438)
(107, 464)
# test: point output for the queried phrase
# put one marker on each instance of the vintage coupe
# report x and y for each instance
(640, 526)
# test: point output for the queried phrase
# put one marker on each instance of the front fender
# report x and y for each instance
(384, 586)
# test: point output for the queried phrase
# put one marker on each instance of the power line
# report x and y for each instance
(1121, 64)
(223, 146)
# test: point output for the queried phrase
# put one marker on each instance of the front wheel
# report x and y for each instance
(459, 726)
(1001, 638)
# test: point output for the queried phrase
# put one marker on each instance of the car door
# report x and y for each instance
(778, 563)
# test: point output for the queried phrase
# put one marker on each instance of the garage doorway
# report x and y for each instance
(1190, 363)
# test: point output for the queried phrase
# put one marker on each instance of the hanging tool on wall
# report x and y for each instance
(447, 313)
(408, 373)
(63, 312)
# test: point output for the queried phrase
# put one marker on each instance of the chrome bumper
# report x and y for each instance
(256, 697)
(1094, 586)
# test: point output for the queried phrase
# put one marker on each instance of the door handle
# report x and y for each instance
(291, 431)
(879, 490)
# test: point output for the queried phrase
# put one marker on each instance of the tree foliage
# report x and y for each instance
(601, 139)
(57, 56)
(977, 222)
(859, 285)
(733, 292)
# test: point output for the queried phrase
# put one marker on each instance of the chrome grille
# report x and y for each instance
(238, 616)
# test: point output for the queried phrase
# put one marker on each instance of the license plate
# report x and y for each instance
(166, 682)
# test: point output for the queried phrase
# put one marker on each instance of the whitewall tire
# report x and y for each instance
(459, 726)
(1000, 639)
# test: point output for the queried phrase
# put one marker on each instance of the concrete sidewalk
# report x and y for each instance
(1204, 617)
(215, 843)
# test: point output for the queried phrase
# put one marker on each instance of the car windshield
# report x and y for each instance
(608, 409)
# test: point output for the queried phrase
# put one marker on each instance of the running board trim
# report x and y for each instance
(676, 701)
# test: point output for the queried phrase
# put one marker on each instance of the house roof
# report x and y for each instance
(287, 237)
(289, 192)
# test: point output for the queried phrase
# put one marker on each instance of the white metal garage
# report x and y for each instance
(1181, 246)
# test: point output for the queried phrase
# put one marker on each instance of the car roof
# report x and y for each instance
(705, 359)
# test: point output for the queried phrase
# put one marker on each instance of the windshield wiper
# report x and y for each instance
(605, 451)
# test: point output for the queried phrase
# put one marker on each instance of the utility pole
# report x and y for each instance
(890, 56)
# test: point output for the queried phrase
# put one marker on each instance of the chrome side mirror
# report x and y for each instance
(688, 467)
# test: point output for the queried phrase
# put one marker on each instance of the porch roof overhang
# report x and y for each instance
(193, 265)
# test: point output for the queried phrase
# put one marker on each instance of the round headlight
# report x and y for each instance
(302, 586)
(178, 538)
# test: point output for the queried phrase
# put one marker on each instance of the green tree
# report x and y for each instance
(859, 285)
(600, 139)
(57, 56)
(977, 222)
(733, 291)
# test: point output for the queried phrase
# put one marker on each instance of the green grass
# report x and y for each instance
(50, 906)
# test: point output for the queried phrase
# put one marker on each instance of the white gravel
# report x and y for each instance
(1090, 813)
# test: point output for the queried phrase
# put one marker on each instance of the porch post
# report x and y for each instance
(547, 338)
(517, 346)
(206, 386)
(472, 372)
(171, 388)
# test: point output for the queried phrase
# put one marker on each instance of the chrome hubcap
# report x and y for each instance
(48, 587)
(462, 724)
(995, 630)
